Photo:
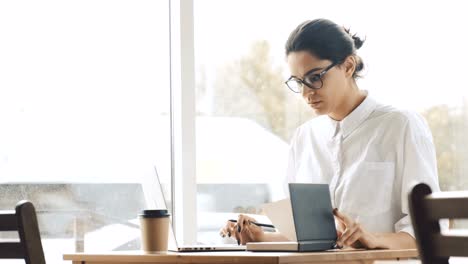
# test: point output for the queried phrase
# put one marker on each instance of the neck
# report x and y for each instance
(349, 102)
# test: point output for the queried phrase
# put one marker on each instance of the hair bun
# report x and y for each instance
(358, 42)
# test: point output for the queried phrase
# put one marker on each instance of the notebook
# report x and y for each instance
(306, 219)
(172, 241)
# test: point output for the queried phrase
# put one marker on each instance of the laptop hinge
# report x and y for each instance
(316, 245)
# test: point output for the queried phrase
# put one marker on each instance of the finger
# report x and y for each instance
(247, 234)
(223, 232)
(230, 224)
(346, 234)
(237, 235)
(347, 221)
(339, 225)
(243, 239)
(226, 230)
(244, 220)
(232, 231)
(338, 233)
(338, 219)
(353, 238)
(244, 230)
(240, 222)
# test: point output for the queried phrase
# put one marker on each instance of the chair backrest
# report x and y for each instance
(426, 210)
(24, 221)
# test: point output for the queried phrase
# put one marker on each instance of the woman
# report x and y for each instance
(370, 154)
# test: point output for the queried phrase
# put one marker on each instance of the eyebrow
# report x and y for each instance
(307, 73)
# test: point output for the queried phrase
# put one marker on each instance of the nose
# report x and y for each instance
(306, 91)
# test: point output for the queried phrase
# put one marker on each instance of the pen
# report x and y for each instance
(255, 223)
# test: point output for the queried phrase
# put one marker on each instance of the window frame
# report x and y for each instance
(183, 114)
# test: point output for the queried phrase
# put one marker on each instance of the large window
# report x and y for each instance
(84, 108)
(414, 55)
(85, 104)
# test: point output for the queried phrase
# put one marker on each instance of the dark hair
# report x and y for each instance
(326, 40)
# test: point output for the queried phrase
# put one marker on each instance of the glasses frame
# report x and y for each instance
(302, 82)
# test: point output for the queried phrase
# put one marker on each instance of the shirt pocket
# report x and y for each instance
(370, 188)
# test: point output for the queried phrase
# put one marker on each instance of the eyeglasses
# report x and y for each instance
(313, 81)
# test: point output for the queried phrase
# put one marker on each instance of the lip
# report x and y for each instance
(315, 104)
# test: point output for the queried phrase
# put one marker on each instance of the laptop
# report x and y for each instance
(174, 246)
(172, 241)
(311, 220)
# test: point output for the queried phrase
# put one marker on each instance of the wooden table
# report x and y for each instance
(398, 262)
(338, 257)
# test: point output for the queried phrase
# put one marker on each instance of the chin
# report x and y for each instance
(319, 111)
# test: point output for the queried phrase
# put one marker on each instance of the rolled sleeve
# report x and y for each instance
(404, 225)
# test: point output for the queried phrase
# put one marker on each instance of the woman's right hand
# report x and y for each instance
(243, 231)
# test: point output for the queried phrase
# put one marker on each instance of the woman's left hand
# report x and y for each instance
(352, 234)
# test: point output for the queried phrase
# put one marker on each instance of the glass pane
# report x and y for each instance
(246, 115)
(84, 108)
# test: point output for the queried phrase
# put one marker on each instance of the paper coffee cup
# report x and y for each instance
(154, 226)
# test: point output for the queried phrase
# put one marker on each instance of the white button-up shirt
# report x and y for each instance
(371, 160)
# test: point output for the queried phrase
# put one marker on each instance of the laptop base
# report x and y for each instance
(207, 248)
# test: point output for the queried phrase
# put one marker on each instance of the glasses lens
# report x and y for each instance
(294, 85)
(314, 81)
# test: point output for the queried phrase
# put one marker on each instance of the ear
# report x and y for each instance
(349, 65)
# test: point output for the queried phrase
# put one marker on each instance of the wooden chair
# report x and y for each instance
(426, 209)
(23, 220)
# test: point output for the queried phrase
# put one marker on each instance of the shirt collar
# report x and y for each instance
(355, 118)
